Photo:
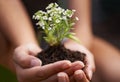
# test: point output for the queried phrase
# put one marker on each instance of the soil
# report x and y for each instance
(57, 53)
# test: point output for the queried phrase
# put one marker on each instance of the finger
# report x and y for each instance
(52, 78)
(60, 77)
(42, 72)
(25, 60)
(89, 66)
(75, 66)
(63, 77)
(89, 59)
(72, 79)
(80, 76)
(25, 75)
(51, 69)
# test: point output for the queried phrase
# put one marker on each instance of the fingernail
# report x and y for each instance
(76, 67)
(61, 77)
(60, 74)
(34, 62)
(78, 74)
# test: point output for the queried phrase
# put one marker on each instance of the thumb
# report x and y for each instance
(33, 49)
(25, 60)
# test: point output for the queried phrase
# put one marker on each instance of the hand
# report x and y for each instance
(89, 59)
(29, 69)
(73, 74)
(79, 76)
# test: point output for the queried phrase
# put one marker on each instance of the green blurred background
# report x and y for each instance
(6, 75)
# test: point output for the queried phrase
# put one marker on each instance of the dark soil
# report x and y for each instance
(57, 53)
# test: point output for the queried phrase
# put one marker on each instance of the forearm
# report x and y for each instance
(15, 24)
(83, 28)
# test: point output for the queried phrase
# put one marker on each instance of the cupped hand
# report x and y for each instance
(79, 76)
(29, 69)
(89, 59)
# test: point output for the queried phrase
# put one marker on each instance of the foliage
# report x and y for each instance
(56, 23)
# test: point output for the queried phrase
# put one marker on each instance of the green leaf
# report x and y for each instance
(70, 36)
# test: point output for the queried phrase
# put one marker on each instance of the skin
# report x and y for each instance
(34, 69)
(83, 31)
(20, 50)
(11, 35)
(8, 43)
(94, 44)
(107, 70)
(83, 26)
(103, 51)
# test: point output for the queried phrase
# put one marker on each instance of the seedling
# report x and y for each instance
(56, 23)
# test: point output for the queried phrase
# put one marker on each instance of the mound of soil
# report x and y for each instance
(57, 53)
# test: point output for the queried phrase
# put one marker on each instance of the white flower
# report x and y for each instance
(40, 12)
(64, 18)
(45, 18)
(48, 11)
(77, 18)
(74, 10)
(37, 17)
(50, 19)
(50, 6)
(57, 21)
(43, 27)
(72, 24)
(33, 17)
(60, 10)
(51, 25)
(41, 24)
(53, 21)
(51, 14)
(49, 28)
(68, 13)
(56, 5)
(37, 23)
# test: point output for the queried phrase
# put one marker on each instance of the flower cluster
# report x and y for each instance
(56, 23)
